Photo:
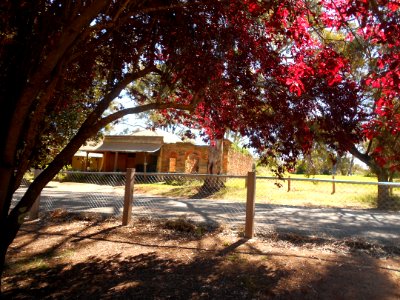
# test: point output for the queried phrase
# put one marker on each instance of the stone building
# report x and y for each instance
(157, 151)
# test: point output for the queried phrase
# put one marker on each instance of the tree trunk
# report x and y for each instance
(11, 224)
(3, 251)
(336, 164)
(350, 171)
(215, 157)
(384, 201)
(12, 221)
(214, 167)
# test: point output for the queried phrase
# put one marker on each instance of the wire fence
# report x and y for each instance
(198, 197)
(328, 193)
(82, 192)
(298, 205)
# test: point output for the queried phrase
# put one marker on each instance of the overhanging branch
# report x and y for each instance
(143, 108)
(114, 93)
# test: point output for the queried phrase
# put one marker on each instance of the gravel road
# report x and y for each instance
(370, 225)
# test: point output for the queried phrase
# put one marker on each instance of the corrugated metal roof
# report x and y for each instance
(89, 146)
(83, 154)
(168, 138)
(127, 147)
(123, 139)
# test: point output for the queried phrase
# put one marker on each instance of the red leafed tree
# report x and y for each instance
(371, 37)
(63, 63)
(333, 77)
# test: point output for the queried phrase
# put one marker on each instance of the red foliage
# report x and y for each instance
(256, 67)
(276, 83)
(377, 23)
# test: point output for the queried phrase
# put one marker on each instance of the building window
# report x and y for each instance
(172, 162)
(172, 165)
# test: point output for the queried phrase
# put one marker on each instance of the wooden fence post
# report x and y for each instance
(250, 205)
(288, 184)
(34, 212)
(128, 198)
(333, 185)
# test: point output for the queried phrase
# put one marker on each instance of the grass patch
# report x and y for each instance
(274, 191)
(168, 190)
(36, 263)
(235, 257)
(187, 226)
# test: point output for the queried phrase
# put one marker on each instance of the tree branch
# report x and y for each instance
(365, 158)
(172, 7)
(43, 73)
(33, 130)
(143, 108)
(114, 93)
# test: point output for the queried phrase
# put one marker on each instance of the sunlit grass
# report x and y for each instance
(39, 262)
(274, 191)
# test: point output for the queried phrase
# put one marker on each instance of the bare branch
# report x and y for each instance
(365, 158)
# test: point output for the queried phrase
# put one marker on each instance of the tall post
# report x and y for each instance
(250, 205)
(115, 162)
(145, 167)
(34, 212)
(145, 163)
(333, 185)
(288, 184)
(128, 198)
(86, 161)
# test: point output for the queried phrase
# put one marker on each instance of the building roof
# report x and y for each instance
(168, 138)
(128, 147)
(140, 141)
(90, 154)
(127, 144)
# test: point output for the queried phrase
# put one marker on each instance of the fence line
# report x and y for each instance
(378, 183)
(179, 195)
(198, 175)
(92, 173)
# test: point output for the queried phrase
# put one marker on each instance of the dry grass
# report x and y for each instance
(301, 193)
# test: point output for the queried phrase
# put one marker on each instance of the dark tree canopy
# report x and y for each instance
(261, 68)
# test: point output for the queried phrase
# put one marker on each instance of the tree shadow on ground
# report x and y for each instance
(238, 270)
(146, 276)
(209, 188)
(355, 278)
(224, 275)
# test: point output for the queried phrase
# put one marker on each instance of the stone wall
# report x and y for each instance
(189, 158)
(183, 158)
(238, 163)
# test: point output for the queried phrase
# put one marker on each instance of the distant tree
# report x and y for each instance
(321, 160)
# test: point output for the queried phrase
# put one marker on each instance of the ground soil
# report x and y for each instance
(88, 257)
